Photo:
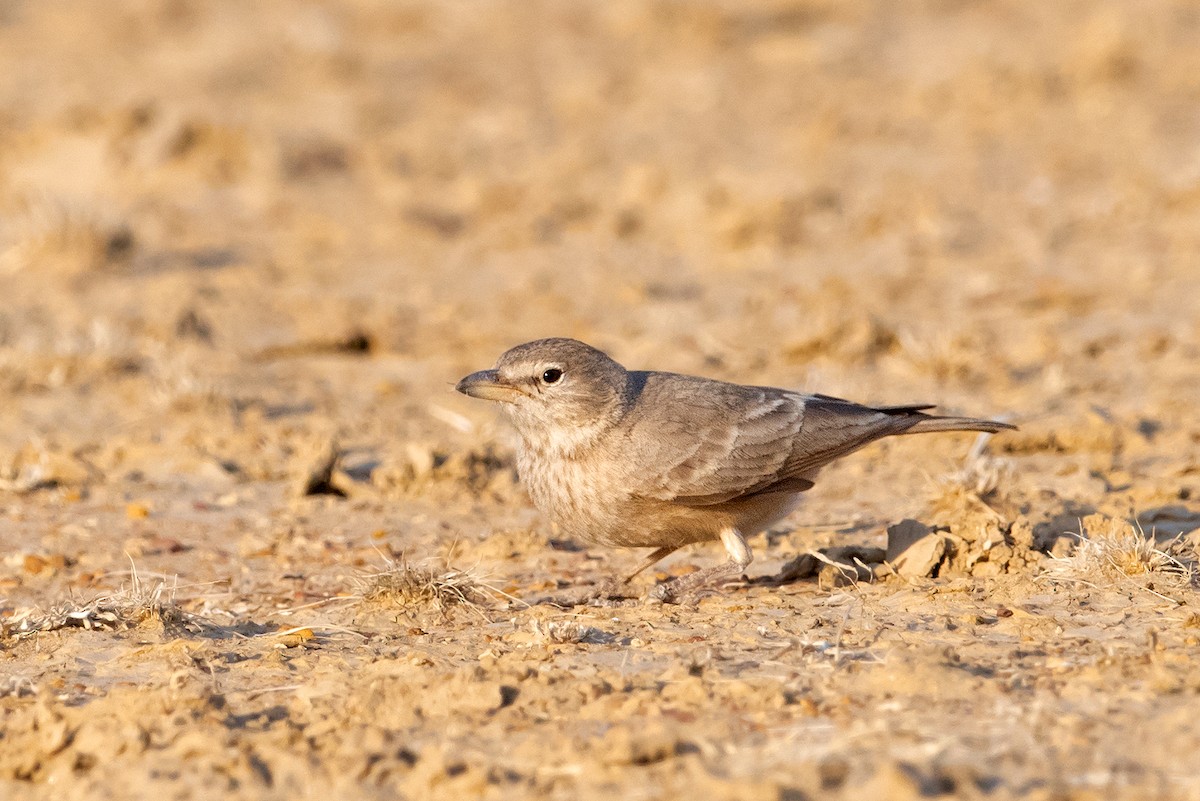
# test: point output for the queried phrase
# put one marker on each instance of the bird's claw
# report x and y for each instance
(609, 592)
(664, 593)
(681, 591)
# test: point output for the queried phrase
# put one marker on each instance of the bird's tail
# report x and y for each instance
(926, 424)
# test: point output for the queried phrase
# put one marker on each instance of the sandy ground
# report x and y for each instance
(238, 239)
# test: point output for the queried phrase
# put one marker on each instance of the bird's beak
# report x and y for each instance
(487, 384)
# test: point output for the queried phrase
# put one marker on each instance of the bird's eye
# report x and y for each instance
(552, 375)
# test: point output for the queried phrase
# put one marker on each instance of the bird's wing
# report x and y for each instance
(700, 442)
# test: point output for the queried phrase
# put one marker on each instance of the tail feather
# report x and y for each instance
(930, 423)
(833, 428)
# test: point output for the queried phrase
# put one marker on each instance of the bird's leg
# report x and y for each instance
(658, 555)
(609, 590)
(739, 558)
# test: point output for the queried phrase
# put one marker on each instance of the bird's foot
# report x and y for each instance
(609, 592)
(691, 588)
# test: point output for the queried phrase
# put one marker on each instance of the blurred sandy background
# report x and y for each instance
(239, 238)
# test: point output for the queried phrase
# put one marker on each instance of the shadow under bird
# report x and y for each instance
(647, 459)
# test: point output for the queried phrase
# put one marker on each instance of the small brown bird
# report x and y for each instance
(661, 460)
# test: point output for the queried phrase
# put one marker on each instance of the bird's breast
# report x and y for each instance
(571, 492)
(588, 501)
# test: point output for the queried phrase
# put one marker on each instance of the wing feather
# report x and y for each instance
(701, 442)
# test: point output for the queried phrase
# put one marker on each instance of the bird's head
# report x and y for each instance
(553, 389)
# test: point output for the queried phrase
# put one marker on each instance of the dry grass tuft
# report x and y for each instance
(979, 482)
(1115, 549)
(982, 476)
(130, 607)
(419, 587)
